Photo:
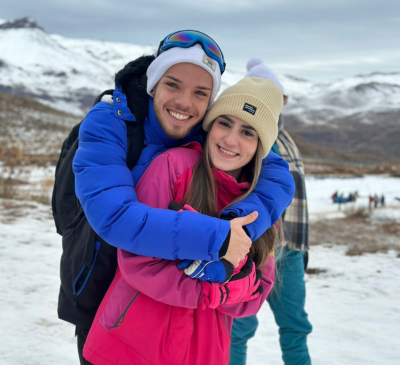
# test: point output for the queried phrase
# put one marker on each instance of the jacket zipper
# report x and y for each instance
(120, 320)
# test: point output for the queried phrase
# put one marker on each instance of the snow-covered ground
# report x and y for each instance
(320, 190)
(353, 306)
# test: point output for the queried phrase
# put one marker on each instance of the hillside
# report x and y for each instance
(356, 118)
(31, 128)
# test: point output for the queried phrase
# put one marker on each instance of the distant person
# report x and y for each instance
(340, 201)
(382, 200)
(160, 101)
(287, 299)
(376, 201)
(370, 201)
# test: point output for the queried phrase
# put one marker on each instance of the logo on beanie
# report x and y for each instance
(249, 108)
(209, 62)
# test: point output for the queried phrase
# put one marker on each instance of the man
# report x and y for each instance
(182, 82)
(287, 299)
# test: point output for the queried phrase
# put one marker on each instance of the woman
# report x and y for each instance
(153, 313)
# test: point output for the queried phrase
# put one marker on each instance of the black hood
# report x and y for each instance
(133, 81)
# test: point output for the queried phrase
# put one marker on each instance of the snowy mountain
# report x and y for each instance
(61, 72)
(68, 74)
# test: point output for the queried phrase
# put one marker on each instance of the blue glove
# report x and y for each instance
(212, 271)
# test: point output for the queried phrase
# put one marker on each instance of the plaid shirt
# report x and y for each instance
(295, 216)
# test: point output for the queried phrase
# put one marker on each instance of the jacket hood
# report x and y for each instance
(132, 80)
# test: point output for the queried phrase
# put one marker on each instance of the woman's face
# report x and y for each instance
(232, 144)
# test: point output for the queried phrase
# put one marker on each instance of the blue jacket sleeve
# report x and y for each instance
(104, 186)
(272, 195)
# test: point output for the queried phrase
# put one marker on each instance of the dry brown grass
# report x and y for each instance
(315, 271)
(391, 227)
(357, 213)
(359, 234)
(16, 156)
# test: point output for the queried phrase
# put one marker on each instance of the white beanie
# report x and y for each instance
(257, 68)
(175, 55)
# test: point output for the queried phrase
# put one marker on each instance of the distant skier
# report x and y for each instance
(382, 200)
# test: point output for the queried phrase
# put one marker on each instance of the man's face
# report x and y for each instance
(181, 98)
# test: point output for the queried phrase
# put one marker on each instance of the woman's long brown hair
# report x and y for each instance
(202, 196)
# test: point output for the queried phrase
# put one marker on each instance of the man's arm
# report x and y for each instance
(104, 186)
(272, 195)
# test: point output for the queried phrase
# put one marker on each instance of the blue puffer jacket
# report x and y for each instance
(105, 188)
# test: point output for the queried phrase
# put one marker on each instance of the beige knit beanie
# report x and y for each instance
(256, 101)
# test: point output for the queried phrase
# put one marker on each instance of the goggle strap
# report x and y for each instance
(159, 48)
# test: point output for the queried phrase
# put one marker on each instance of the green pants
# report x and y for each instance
(287, 301)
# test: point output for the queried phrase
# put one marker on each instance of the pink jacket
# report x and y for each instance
(151, 314)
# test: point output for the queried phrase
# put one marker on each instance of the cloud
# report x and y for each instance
(299, 34)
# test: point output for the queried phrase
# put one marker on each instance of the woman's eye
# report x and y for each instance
(224, 124)
(247, 133)
(201, 93)
(171, 84)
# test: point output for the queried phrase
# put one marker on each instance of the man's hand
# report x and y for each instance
(240, 242)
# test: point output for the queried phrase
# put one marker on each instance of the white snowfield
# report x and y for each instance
(353, 306)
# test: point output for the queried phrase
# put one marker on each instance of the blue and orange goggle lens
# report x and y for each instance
(188, 38)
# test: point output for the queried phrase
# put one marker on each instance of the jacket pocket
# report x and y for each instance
(155, 331)
(83, 276)
(180, 331)
(120, 300)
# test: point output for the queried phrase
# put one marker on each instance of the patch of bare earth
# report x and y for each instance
(359, 234)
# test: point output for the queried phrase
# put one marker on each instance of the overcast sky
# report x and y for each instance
(312, 39)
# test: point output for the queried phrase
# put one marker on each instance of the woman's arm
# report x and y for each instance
(272, 195)
(160, 280)
(104, 186)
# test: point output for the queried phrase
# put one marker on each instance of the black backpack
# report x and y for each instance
(88, 263)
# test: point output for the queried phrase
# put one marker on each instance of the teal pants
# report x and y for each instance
(287, 301)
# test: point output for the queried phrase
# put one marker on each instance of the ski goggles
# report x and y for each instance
(188, 38)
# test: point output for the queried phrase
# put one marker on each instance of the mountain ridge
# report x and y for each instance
(68, 74)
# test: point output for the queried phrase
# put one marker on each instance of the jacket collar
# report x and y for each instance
(120, 106)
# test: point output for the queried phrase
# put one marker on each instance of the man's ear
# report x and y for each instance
(153, 90)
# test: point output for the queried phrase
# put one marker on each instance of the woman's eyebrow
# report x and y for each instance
(247, 127)
(228, 119)
(233, 122)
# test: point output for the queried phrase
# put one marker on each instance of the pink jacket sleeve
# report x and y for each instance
(253, 306)
(160, 280)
